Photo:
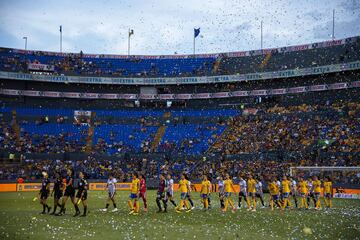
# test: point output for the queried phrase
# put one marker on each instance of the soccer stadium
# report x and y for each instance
(157, 137)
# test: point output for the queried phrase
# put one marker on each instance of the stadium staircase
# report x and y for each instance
(216, 65)
(265, 60)
(15, 126)
(89, 139)
(159, 133)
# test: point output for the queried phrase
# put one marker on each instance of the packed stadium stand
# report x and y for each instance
(294, 106)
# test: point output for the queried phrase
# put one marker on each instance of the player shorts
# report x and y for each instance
(44, 195)
(258, 195)
(316, 194)
(183, 195)
(84, 195)
(142, 195)
(275, 197)
(169, 194)
(58, 194)
(69, 192)
(204, 196)
(242, 194)
(160, 195)
(286, 195)
(112, 194)
(133, 196)
(227, 194)
(328, 195)
(251, 194)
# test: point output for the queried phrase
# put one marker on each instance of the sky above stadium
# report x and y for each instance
(166, 26)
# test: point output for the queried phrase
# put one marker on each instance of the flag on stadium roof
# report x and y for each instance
(196, 32)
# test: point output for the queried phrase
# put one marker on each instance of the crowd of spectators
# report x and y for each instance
(293, 129)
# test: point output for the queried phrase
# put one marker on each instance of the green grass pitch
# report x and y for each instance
(20, 219)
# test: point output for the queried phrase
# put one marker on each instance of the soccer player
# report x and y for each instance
(161, 194)
(69, 193)
(303, 189)
(293, 190)
(310, 192)
(134, 195)
(228, 189)
(259, 191)
(251, 185)
(111, 187)
(221, 191)
(328, 192)
(317, 191)
(143, 191)
(57, 191)
(44, 192)
(170, 190)
(243, 191)
(184, 190)
(205, 191)
(189, 198)
(81, 195)
(274, 193)
(285, 184)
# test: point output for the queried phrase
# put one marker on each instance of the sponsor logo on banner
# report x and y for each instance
(184, 96)
(166, 96)
(297, 90)
(109, 96)
(31, 93)
(355, 84)
(91, 95)
(147, 96)
(278, 91)
(318, 88)
(40, 67)
(71, 94)
(51, 94)
(259, 92)
(82, 113)
(240, 93)
(10, 92)
(127, 96)
(221, 95)
(338, 86)
(201, 95)
(347, 195)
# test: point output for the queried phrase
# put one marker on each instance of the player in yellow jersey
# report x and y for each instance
(251, 187)
(205, 191)
(184, 191)
(328, 192)
(134, 195)
(228, 190)
(285, 186)
(317, 191)
(274, 193)
(303, 190)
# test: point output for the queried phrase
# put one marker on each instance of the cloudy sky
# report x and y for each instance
(166, 26)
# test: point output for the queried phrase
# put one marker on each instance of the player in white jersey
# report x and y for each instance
(221, 191)
(259, 191)
(170, 190)
(311, 192)
(293, 188)
(111, 187)
(243, 191)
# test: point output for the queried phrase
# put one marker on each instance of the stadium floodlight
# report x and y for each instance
(25, 38)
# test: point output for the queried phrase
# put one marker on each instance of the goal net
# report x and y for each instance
(346, 180)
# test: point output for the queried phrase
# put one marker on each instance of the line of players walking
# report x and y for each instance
(250, 191)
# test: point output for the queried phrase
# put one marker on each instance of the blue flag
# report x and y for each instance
(196, 32)
(60, 28)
